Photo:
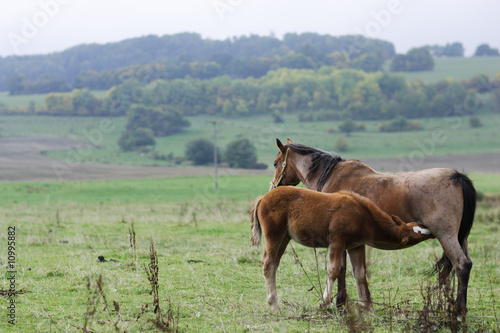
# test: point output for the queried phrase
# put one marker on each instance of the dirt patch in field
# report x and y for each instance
(22, 159)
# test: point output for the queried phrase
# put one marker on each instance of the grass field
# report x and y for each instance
(207, 269)
(38, 99)
(22, 100)
(209, 276)
(458, 68)
(458, 137)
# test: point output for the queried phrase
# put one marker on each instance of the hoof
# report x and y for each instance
(460, 310)
(325, 304)
(341, 301)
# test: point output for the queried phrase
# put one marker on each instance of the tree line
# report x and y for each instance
(323, 94)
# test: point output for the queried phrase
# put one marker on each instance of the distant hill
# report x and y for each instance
(182, 48)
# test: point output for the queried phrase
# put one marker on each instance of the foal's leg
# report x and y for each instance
(341, 288)
(270, 261)
(335, 252)
(358, 261)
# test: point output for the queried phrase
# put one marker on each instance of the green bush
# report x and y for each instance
(341, 144)
(136, 139)
(417, 59)
(163, 121)
(327, 115)
(400, 124)
(201, 151)
(330, 129)
(348, 126)
(475, 122)
(277, 117)
(306, 117)
(241, 153)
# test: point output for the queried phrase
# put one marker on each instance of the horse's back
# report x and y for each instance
(429, 196)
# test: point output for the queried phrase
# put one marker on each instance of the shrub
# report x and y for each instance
(306, 117)
(400, 124)
(241, 153)
(327, 115)
(474, 122)
(341, 144)
(368, 62)
(359, 128)
(417, 59)
(259, 166)
(136, 139)
(348, 126)
(162, 121)
(277, 117)
(201, 151)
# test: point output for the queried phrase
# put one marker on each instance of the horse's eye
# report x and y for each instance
(275, 164)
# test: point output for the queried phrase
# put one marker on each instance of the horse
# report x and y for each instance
(338, 221)
(444, 200)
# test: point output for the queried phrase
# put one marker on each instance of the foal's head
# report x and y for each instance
(285, 173)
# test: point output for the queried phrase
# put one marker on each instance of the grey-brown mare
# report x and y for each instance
(338, 221)
(444, 200)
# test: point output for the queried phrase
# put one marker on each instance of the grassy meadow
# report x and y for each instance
(38, 99)
(209, 276)
(459, 136)
(457, 68)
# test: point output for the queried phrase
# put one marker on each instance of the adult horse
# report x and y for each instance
(339, 221)
(444, 200)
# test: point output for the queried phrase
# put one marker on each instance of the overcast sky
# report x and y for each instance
(44, 26)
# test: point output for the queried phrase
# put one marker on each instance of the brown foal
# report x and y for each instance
(338, 221)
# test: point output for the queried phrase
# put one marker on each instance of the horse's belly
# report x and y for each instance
(387, 246)
(308, 238)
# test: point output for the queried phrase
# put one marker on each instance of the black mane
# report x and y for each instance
(320, 160)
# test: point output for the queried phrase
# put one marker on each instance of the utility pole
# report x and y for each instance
(216, 184)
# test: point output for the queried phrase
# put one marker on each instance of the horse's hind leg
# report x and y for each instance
(270, 262)
(341, 288)
(461, 262)
(358, 261)
(335, 253)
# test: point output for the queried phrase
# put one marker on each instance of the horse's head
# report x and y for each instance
(285, 173)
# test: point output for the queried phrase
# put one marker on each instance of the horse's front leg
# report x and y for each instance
(335, 252)
(358, 261)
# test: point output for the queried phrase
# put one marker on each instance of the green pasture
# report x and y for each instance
(457, 68)
(454, 136)
(22, 100)
(160, 190)
(208, 274)
(38, 99)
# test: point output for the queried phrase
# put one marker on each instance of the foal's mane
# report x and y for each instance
(320, 160)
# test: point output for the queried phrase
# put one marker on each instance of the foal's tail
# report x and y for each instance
(443, 265)
(256, 229)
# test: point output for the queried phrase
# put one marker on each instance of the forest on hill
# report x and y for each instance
(97, 66)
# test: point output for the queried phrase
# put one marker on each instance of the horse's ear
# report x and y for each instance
(397, 220)
(288, 141)
(280, 145)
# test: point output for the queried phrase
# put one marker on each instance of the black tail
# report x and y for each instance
(443, 265)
